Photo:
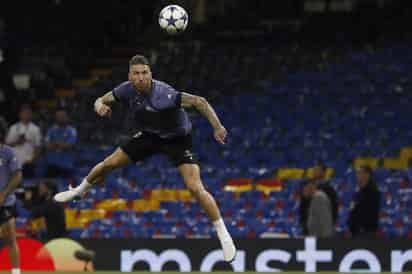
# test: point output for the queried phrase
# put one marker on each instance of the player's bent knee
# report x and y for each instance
(116, 160)
(197, 190)
(109, 164)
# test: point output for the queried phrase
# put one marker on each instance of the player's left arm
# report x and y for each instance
(203, 106)
(14, 182)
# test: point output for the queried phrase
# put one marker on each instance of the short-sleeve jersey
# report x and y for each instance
(158, 112)
(8, 166)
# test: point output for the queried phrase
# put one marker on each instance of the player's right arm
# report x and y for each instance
(203, 106)
(103, 103)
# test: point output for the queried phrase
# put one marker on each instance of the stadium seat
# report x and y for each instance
(112, 204)
(70, 213)
(146, 205)
(164, 194)
(184, 195)
(90, 214)
(100, 72)
(268, 185)
(239, 185)
(76, 223)
(406, 153)
(329, 172)
(290, 173)
(395, 163)
(75, 232)
(64, 93)
(38, 224)
(366, 161)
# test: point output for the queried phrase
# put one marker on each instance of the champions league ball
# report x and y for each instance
(173, 19)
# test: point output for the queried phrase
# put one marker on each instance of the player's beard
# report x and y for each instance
(142, 86)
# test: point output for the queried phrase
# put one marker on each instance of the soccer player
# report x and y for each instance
(163, 126)
(10, 178)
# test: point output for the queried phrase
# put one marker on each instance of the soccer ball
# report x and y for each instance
(173, 19)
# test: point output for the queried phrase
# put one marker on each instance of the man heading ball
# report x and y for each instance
(162, 127)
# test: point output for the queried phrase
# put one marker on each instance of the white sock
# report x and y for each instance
(83, 187)
(221, 230)
(15, 271)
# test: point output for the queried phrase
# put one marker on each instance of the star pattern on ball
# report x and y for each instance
(171, 21)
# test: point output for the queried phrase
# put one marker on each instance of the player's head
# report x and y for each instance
(25, 114)
(139, 73)
(364, 176)
(309, 187)
(319, 170)
(61, 117)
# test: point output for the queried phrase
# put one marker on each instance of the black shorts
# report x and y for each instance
(6, 213)
(177, 149)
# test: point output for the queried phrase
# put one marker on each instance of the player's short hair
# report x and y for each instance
(139, 60)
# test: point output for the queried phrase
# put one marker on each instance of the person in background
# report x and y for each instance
(321, 182)
(60, 139)
(304, 207)
(364, 214)
(44, 206)
(25, 137)
(319, 177)
(319, 220)
(10, 178)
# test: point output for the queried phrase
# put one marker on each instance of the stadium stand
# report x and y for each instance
(347, 107)
(273, 143)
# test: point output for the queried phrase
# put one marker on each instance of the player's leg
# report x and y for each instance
(116, 160)
(8, 232)
(191, 176)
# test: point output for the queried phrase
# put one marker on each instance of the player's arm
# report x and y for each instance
(11, 186)
(203, 106)
(103, 103)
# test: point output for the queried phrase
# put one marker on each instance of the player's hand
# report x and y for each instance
(220, 134)
(103, 110)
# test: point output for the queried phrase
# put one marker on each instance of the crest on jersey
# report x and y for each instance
(149, 108)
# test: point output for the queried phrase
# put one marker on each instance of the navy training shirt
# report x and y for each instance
(158, 112)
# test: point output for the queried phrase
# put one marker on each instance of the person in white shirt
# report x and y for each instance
(25, 137)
